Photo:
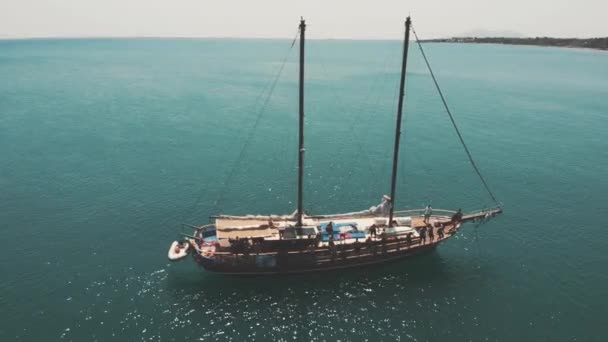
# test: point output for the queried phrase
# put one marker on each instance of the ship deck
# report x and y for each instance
(275, 254)
(269, 234)
(261, 226)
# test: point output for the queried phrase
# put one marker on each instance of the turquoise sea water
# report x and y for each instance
(108, 145)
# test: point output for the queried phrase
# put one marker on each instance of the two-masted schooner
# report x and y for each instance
(300, 243)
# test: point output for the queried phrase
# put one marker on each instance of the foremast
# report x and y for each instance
(406, 41)
(301, 129)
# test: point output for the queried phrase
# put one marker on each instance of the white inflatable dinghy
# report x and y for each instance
(178, 250)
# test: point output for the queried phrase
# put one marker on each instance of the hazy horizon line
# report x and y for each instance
(275, 38)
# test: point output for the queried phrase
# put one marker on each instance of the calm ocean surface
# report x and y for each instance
(106, 146)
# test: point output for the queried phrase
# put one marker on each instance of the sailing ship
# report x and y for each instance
(302, 243)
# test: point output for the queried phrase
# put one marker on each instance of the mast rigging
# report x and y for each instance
(447, 109)
(287, 247)
(406, 40)
(301, 115)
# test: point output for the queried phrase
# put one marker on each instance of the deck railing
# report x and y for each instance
(349, 250)
(337, 254)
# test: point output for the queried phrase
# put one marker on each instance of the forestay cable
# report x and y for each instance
(447, 109)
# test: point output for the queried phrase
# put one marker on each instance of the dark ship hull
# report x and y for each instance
(311, 254)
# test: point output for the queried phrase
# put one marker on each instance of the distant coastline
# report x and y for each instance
(581, 43)
(585, 43)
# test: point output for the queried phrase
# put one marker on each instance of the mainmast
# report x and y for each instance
(301, 146)
(406, 41)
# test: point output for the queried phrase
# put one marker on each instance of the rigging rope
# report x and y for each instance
(445, 104)
(235, 165)
(232, 172)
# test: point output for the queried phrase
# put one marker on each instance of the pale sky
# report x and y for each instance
(380, 19)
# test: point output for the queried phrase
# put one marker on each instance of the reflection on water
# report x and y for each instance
(409, 270)
(98, 165)
(381, 302)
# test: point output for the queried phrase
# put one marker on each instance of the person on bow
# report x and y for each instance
(428, 211)
(457, 217)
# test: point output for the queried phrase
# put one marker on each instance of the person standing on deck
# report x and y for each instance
(372, 230)
(423, 235)
(431, 232)
(330, 230)
(457, 217)
(428, 211)
(357, 246)
(368, 242)
(332, 248)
